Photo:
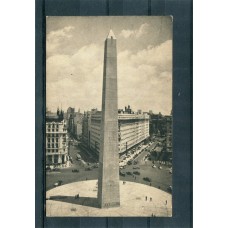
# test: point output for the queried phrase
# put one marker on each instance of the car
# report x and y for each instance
(170, 189)
(129, 162)
(170, 171)
(136, 167)
(56, 169)
(95, 165)
(122, 174)
(153, 166)
(75, 170)
(147, 179)
(129, 173)
(160, 167)
(135, 162)
(136, 172)
(48, 168)
(58, 183)
(88, 169)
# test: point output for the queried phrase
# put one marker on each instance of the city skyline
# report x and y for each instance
(75, 57)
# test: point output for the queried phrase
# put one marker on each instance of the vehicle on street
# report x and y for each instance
(122, 174)
(170, 171)
(170, 189)
(95, 165)
(136, 167)
(56, 169)
(58, 183)
(160, 167)
(135, 163)
(129, 162)
(136, 172)
(147, 179)
(75, 170)
(129, 173)
(88, 169)
(153, 166)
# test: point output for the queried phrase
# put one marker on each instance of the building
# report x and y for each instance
(169, 133)
(70, 120)
(56, 139)
(157, 124)
(78, 125)
(161, 126)
(133, 128)
(74, 123)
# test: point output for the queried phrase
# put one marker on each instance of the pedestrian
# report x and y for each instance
(166, 202)
(146, 198)
(150, 199)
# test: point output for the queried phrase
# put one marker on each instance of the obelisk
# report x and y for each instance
(108, 180)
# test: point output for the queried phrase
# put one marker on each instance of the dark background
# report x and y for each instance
(182, 105)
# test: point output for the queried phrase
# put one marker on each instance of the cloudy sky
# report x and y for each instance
(74, 58)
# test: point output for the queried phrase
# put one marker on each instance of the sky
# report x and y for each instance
(74, 62)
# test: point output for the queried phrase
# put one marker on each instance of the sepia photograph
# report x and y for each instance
(109, 122)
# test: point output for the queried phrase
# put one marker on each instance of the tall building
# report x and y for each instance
(133, 128)
(74, 122)
(108, 180)
(169, 133)
(157, 124)
(56, 139)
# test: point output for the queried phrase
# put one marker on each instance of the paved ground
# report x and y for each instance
(61, 201)
(160, 178)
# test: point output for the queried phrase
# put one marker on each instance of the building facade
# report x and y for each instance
(169, 134)
(133, 128)
(56, 140)
(74, 122)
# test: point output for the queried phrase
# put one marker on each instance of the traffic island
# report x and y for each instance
(136, 200)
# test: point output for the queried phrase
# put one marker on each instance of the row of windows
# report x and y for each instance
(53, 139)
(53, 130)
(56, 145)
(53, 125)
(56, 135)
(52, 151)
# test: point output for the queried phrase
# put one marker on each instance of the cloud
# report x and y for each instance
(144, 78)
(143, 29)
(57, 37)
(75, 80)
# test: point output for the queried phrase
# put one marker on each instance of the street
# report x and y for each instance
(160, 178)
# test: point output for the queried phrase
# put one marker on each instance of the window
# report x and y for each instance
(49, 140)
(53, 139)
(56, 145)
(53, 145)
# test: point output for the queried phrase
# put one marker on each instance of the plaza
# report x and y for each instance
(135, 200)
